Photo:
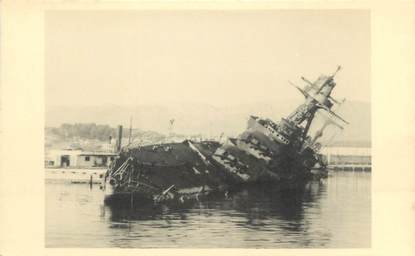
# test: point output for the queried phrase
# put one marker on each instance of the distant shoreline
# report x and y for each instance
(356, 144)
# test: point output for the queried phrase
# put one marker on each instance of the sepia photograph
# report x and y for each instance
(207, 128)
(237, 128)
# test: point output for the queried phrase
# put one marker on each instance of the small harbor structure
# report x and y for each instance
(348, 158)
(77, 158)
(76, 165)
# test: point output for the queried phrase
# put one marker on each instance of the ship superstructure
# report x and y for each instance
(280, 154)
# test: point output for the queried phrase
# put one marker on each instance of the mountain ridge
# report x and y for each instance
(201, 118)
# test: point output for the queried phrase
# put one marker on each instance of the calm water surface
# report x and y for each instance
(332, 214)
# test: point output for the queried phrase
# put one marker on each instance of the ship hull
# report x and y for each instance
(140, 199)
(179, 174)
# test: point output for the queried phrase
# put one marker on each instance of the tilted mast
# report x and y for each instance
(317, 96)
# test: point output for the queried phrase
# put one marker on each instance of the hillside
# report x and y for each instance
(204, 119)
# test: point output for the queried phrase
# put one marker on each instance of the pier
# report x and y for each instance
(350, 167)
(353, 159)
(75, 175)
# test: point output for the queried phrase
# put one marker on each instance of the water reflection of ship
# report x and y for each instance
(261, 202)
(252, 203)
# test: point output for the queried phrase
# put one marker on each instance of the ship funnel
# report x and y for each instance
(119, 139)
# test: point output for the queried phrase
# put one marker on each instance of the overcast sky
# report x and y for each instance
(216, 57)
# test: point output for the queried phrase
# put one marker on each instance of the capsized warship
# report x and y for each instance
(281, 155)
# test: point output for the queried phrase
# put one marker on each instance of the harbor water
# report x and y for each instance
(335, 213)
